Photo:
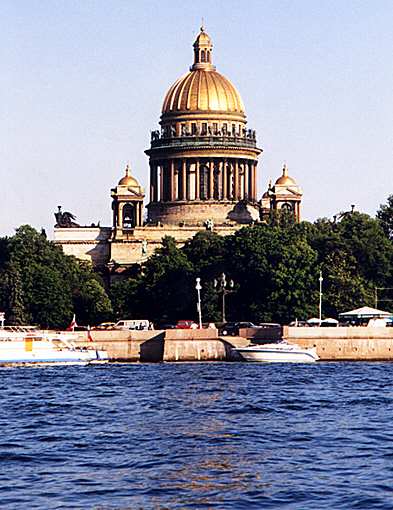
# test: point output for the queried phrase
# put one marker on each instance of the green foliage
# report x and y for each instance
(167, 284)
(41, 285)
(275, 268)
(385, 216)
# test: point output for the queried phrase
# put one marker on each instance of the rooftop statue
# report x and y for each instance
(65, 219)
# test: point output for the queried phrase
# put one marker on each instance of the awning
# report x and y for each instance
(365, 312)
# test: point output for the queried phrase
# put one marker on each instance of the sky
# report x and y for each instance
(82, 84)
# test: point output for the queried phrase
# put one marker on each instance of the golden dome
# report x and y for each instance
(203, 88)
(285, 179)
(128, 180)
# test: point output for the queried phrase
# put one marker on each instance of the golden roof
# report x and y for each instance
(203, 88)
(285, 179)
(128, 179)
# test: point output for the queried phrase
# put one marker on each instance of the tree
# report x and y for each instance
(275, 269)
(385, 216)
(167, 285)
(44, 286)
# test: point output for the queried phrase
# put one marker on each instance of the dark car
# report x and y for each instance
(232, 328)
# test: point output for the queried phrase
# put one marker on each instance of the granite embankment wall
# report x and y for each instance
(335, 344)
(332, 344)
(166, 345)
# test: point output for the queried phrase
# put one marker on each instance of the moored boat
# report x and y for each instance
(21, 347)
(281, 352)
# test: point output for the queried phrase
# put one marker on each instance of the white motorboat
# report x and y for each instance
(281, 352)
(26, 347)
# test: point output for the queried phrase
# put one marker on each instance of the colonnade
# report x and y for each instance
(203, 179)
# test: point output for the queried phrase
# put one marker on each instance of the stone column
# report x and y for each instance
(218, 171)
(255, 180)
(184, 180)
(211, 180)
(120, 216)
(172, 181)
(246, 180)
(151, 183)
(224, 181)
(176, 181)
(236, 181)
(161, 167)
(197, 180)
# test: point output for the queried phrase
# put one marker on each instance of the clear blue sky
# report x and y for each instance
(82, 83)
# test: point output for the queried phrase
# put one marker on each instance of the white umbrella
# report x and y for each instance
(330, 320)
(313, 320)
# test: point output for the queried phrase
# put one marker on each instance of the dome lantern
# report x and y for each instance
(202, 52)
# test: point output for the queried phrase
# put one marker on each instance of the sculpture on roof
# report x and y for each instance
(65, 219)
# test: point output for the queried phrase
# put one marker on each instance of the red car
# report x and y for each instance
(186, 325)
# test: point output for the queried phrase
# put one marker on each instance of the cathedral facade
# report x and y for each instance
(203, 175)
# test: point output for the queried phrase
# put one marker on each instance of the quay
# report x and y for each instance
(182, 345)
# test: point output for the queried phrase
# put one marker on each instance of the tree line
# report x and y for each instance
(274, 267)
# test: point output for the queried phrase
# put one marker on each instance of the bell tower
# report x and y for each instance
(127, 206)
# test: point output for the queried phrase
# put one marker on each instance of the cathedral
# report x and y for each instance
(203, 175)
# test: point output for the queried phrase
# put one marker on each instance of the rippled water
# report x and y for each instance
(203, 435)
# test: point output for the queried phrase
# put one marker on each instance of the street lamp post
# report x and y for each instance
(221, 284)
(198, 287)
(320, 297)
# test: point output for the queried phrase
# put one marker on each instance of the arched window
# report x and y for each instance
(287, 208)
(203, 56)
(128, 216)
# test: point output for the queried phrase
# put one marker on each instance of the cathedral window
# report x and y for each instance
(203, 56)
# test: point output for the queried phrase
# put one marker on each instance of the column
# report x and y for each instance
(172, 181)
(211, 180)
(120, 217)
(255, 180)
(161, 182)
(236, 181)
(218, 170)
(246, 181)
(151, 182)
(197, 180)
(224, 180)
(176, 181)
(184, 180)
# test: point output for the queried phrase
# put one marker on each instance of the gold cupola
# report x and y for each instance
(128, 180)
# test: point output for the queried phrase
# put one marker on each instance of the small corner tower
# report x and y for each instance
(127, 205)
(285, 195)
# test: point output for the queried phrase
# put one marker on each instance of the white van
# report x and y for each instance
(137, 324)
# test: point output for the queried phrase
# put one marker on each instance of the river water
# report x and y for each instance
(202, 435)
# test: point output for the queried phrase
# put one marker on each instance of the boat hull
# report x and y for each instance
(45, 349)
(275, 354)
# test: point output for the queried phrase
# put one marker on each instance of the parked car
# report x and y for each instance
(232, 328)
(139, 324)
(105, 325)
(186, 324)
(164, 325)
